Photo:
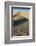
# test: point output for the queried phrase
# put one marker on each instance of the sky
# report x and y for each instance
(20, 10)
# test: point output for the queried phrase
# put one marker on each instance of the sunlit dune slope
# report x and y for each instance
(21, 15)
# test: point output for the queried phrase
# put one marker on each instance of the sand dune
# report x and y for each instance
(21, 15)
(21, 27)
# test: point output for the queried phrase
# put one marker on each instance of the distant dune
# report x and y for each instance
(21, 15)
